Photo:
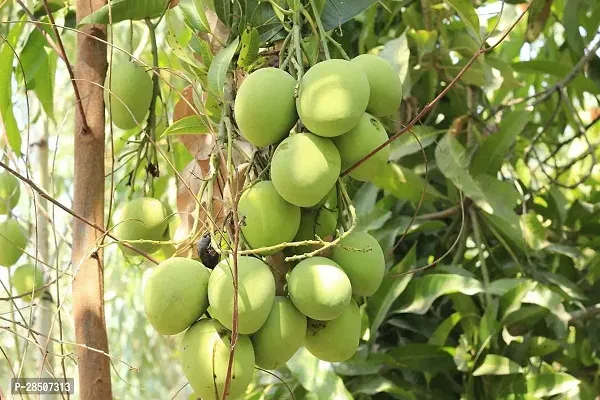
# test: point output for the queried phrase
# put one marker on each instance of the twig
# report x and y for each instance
(322, 32)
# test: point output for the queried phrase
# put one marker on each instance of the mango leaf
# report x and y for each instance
(534, 232)
(193, 11)
(32, 56)
(494, 364)
(495, 149)
(44, 83)
(122, 10)
(379, 304)
(550, 384)
(540, 346)
(423, 291)
(356, 367)
(223, 11)
(423, 357)
(441, 333)
(317, 376)
(380, 384)
(250, 45)
(396, 51)
(6, 70)
(559, 70)
(192, 125)
(407, 144)
(336, 12)
(464, 8)
(217, 73)
(404, 184)
(508, 77)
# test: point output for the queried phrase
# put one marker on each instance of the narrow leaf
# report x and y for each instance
(550, 384)
(217, 73)
(405, 184)
(192, 125)
(407, 144)
(424, 357)
(494, 364)
(6, 70)
(494, 150)
(336, 12)
(464, 8)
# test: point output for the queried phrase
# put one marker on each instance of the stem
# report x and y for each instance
(322, 32)
(479, 243)
(297, 46)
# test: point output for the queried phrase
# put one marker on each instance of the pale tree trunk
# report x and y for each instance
(88, 202)
(46, 308)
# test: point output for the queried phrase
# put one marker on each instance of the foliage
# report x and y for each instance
(487, 213)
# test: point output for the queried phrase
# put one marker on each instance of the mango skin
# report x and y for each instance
(335, 340)
(264, 106)
(9, 192)
(332, 96)
(365, 268)
(268, 219)
(304, 168)
(319, 288)
(205, 356)
(281, 335)
(365, 137)
(384, 83)
(256, 293)
(176, 295)
(13, 241)
(143, 218)
(130, 93)
(26, 278)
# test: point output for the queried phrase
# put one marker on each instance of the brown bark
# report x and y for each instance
(88, 285)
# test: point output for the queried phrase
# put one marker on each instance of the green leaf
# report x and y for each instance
(397, 53)
(44, 83)
(423, 357)
(508, 77)
(379, 304)
(550, 384)
(317, 376)
(512, 299)
(441, 333)
(534, 232)
(379, 384)
(540, 346)
(495, 149)
(464, 8)
(250, 45)
(193, 11)
(356, 367)
(6, 70)
(336, 12)
(31, 58)
(223, 11)
(406, 144)
(423, 291)
(494, 364)
(192, 125)
(404, 184)
(122, 10)
(217, 73)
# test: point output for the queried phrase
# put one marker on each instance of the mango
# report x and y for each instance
(335, 340)
(176, 295)
(384, 83)
(364, 266)
(268, 219)
(305, 168)
(28, 278)
(143, 218)
(365, 137)
(319, 288)
(264, 106)
(205, 357)
(332, 96)
(13, 241)
(130, 93)
(281, 335)
(9, 192)
(256, 293)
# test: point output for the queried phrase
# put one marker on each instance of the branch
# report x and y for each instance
(584, 314)
(430, 105)
(66, 209)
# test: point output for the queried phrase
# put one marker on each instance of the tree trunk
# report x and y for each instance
(88, 202)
